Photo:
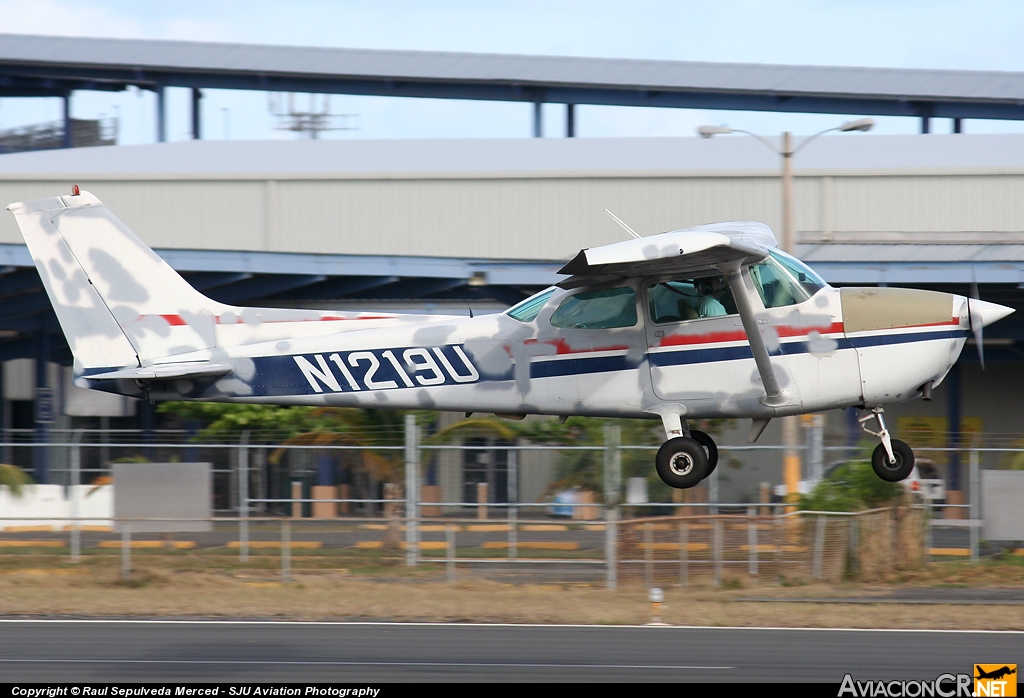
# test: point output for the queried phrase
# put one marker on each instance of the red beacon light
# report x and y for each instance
(75, 191)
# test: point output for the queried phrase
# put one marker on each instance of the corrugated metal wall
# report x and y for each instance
(531, 217)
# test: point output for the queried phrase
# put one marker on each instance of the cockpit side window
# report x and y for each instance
(597, 310)
(688, 299)
(528, 310)
(782, 280)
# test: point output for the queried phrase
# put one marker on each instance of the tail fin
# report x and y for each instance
(117, 301)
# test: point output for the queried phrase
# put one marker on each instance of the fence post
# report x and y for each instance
(819, 547)
(612, 490)
(76, 495)
(481, 500)
(286, 549)
(975, 511)
(296, 499)
(717, 552)
(449, 535)
(648, 556)
(684, 554)
(752, 539)
(513, 504)
(412, 489)
(778, 545)
(929, 532)
(126, 550)
(855, 544)
(243, 497)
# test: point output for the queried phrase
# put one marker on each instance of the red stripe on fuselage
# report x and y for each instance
(176, 320)
(673, 340)
(563, 347)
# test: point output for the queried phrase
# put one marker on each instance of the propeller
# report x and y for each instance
(983, 313)
(977, 322)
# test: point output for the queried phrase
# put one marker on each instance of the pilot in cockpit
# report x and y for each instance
(710, 291)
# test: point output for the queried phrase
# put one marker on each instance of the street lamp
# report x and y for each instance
(791, 458)
(787, 152)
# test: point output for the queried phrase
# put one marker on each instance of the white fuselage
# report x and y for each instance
(702, 367)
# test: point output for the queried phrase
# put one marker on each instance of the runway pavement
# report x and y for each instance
(141, 651)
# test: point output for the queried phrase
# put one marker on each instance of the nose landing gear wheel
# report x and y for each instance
(710, 448)
(893, 472)
(682, 462)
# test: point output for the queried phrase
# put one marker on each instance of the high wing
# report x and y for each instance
(722, 248)
(697, 251)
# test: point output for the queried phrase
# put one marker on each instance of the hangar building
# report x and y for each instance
(484, 223)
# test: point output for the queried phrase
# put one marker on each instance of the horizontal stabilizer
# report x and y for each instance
(165, 372)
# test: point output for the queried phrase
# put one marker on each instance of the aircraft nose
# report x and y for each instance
(984, 313)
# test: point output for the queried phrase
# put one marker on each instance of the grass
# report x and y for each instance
(376, 585)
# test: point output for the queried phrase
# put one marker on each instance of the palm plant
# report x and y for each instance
(14, 478)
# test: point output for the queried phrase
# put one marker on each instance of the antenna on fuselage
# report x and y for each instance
(625, 227)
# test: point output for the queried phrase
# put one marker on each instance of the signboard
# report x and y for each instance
(148, 492)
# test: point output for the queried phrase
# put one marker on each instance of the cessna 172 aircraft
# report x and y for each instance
(711, 321)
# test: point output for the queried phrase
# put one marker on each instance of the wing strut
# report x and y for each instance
(738, 277)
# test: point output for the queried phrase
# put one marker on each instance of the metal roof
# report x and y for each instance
(33, 65)
(524, 157)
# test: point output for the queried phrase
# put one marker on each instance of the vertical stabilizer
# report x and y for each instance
(117, 301)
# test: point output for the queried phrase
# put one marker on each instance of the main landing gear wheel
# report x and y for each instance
(893, 472)
(682, 462)
(710, 448)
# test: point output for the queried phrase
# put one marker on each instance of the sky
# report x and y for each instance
(978, 35)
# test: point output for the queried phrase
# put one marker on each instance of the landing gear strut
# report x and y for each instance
(892, 460)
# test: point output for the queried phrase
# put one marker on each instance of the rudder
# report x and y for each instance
(118, 303)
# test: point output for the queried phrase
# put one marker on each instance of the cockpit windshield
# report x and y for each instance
(783, 280)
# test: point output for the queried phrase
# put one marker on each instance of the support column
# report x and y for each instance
(570, 120)
(161, 116)
(68, 128)
(44, 410)
(958, 126)
(926, 124)
(538, 121)
(196, 125)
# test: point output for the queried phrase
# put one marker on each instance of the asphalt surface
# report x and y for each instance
(180, 651)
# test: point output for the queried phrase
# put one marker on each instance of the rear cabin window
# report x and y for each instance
(597, 310)
(528, 310)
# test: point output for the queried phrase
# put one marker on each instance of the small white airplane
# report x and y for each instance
(711, 321)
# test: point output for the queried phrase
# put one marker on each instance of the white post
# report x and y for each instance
(412, 490)
(449, 535)
(126, 550)
(612, 490)
(513, 503)
(286, 549)
(243, 497)
(76, 481)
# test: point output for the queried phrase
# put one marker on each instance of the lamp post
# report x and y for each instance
(790, 428)
(786, 152)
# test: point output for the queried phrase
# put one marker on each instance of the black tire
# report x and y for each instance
(893, 472)
(682, 462)
(710, 448)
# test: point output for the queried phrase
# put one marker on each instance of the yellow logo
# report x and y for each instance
(995, 680)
